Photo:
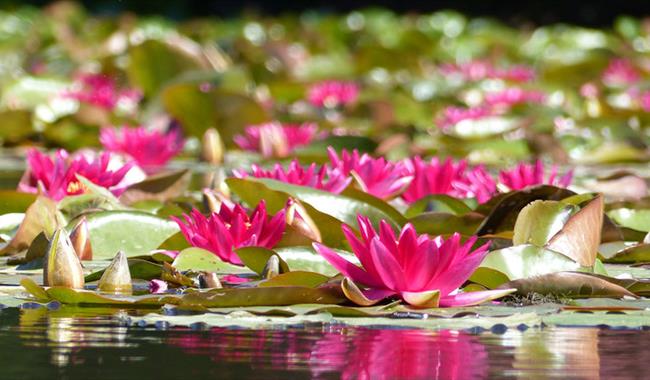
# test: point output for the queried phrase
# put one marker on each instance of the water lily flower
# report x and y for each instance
(318, 177)
(526, 175)
(448, 177)
(480, 69)
(230, 228)
(101, 91)
(513, 96)
(151, 149)
(454, 115)
(376, 176)
(332, 94)
(421, 270)
(477, 183)
(620, 73)
(276, 139)
(57, 177)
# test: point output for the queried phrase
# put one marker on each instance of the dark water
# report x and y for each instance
(39, 344)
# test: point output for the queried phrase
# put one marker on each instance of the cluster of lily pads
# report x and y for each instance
(322, 160)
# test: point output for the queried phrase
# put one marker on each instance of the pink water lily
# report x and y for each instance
(514, 96)
(454, 115)
(376, 176)
(151, 149)
(332, 94)
(230, 228)
(158, 286)
(481, 69)
(448, 177)
(621, 72)
(318, 177)
(101, 91)
(644, 101)
(477, 183)
(276, 139)
(411, 266)
(57, 178)
(526, 175)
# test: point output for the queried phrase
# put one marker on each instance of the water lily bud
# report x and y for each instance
(81, 241)
(216, 180)
(297, 217)
(62, 266)
(273, 143)
(209, 280)
(117, 277)
(211, 201)
(272, 267)
(212, 148)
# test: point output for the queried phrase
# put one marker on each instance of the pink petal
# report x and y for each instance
(387, 266)
(346, 268)
(474, 298)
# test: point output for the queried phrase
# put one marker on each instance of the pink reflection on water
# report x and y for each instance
(352, 353)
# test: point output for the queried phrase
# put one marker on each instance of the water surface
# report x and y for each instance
(45, 344)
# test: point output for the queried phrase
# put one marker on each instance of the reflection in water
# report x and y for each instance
(573, 351)
(66, 334)
(77, 343)
(355, 353)
(399, 354)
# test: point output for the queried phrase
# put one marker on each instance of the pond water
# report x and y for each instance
(39, 343)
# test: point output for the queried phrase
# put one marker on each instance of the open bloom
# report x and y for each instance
(513, 96)
(276, 139)
(101, 91)
(376, 176)
(620, 73)
(151, 149)
(454, 115)
(482, 69)
(57, 177)
(318, 177)
(526, 175)
(332, 94)
(410, 266)
(448, 177)
(230, 228)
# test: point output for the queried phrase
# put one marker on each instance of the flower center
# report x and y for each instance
(76, 187)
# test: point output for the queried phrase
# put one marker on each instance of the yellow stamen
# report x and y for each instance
(76, 187)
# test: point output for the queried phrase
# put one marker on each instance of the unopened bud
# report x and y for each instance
(272, 267)
(117, 277)
(297, 217)
(81, 240)
(209, 280)
(212, 148)
(62, 266)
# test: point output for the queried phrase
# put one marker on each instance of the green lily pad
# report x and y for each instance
(133, 232)
(638, 219)
(255, 258)
(199, 259)
(538, 222)
(142, 269)
(296, 278)
(525, 261)
(264, 296)
(437, 203)
(569, 284)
